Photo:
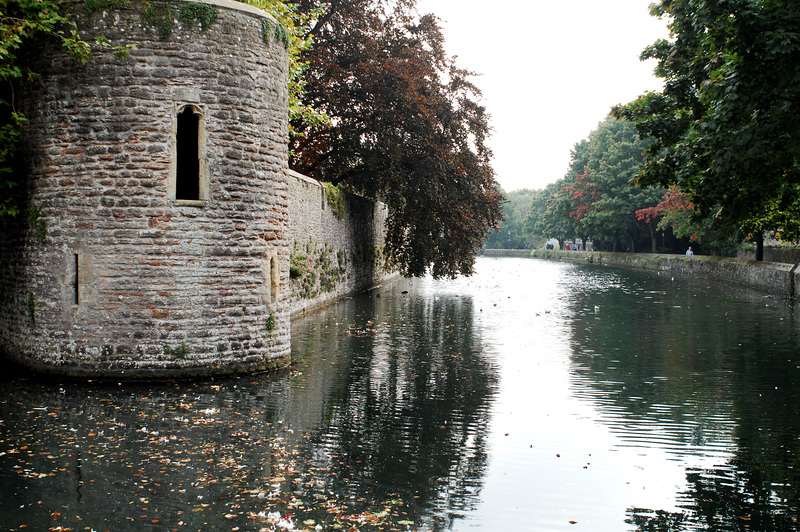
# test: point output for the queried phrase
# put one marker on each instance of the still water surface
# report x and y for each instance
(533, 396)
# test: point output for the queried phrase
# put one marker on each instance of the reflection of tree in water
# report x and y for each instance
(382, 419)
(703, 369)
(727, 499)
(411, 419)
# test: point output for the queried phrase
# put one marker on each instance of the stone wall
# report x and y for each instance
(109, 271)
(783, 254)
(506, 252)
(775, 277)
(336, 244)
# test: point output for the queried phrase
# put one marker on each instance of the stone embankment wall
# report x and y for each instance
(337, 242)
(112, 269)
(773, 277)
(506, 252)
(773, 254)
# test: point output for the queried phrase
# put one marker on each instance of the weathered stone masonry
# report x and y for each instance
(342, 250)
(114, 269)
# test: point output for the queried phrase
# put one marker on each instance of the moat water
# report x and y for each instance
(533, 396)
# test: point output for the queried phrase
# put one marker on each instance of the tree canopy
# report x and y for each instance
(595, 200)
(725, 128)
(406, 127)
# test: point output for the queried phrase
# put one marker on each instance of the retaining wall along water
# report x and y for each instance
(773, 277)
(337, 241)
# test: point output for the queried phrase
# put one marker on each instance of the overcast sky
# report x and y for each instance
(550, 72)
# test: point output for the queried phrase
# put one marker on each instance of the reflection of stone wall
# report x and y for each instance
(333, 254)
(111, 273)
(772, 277)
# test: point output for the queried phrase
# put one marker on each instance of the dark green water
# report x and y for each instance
(534, 396)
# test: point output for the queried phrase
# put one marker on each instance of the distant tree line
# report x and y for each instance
(596, 201)
(710, 159)
(512, 232)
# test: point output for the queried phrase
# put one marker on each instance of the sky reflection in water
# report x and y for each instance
(532, 396)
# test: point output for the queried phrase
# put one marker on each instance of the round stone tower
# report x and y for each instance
(151, 241)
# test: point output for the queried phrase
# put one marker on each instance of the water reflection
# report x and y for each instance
(409, 409)
(381, 424)
(713, 379)
(535, 396)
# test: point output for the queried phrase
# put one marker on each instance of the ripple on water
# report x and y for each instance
(530, 396)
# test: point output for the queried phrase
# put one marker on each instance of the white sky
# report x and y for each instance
(550, 72)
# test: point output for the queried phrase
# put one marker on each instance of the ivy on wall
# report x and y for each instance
(202, 13)
(38, 224)
(178, 352)
(336, 198)
(315, 269)
(161, 15)
(93, 6)
(370, 255)
(270, 30)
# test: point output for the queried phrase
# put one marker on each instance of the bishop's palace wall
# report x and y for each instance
(161, 232)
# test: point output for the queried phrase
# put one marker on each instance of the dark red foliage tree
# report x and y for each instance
(406, 128)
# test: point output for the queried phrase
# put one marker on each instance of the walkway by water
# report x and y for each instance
(534, 396)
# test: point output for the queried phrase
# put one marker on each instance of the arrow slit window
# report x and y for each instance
(189, 175)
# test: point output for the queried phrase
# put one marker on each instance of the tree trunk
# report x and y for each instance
(760, 245)
(653, 237)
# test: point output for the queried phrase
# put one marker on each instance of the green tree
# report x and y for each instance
(583, 196)
(568, 207)
(595, 199)
(295, 31)
(725, 128)
(557, 222)
(549, 215)
(406, 127)
(512, 232)
(534, 219)
(615, 155)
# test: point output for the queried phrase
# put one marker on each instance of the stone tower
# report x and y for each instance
(154, 190)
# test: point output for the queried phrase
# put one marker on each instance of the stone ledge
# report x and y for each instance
(226, 4)
(774, 277)
(76, 372)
